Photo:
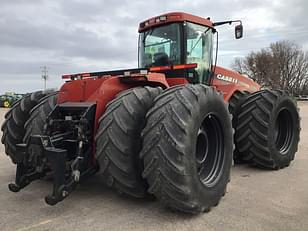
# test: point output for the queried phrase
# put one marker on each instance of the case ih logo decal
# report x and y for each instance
(226, 78)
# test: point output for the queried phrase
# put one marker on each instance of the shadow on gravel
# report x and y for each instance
(93, 197)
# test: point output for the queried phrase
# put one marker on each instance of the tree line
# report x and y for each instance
(283, 65)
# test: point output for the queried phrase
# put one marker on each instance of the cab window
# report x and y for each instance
(199, 49)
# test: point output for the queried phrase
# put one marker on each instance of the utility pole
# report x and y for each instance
(44, 75)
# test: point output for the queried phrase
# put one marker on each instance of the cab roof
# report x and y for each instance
(173, 17)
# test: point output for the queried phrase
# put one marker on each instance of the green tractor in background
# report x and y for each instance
(7, 100)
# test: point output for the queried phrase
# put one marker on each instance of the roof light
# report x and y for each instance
(163, 18)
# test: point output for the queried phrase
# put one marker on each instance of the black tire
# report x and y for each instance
(185, 124)
(118, 140)
(268, 129)
(235, 102)
(15, 119)
(38, 115)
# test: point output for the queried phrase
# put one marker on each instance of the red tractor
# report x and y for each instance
(170, 128)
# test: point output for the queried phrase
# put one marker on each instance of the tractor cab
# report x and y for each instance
(175, 39)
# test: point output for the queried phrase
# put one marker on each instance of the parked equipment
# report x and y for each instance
(8, 100)
(167, 128)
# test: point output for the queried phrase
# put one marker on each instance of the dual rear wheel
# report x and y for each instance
(176, 145)
(118, 140)
(187, 148)
(25, 118)
(267, 129)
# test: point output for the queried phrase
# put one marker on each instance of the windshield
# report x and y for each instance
(160, 46)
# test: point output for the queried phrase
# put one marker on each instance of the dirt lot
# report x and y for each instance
(256, 200)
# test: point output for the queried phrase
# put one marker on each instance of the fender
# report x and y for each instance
(102, 90)
(228, 82)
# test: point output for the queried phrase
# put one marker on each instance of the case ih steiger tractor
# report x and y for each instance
(170, 128)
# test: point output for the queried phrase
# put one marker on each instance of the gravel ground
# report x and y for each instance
(256, 200)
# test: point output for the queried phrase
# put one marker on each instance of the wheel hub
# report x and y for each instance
(202, 147)
(284, 131)
(210, 150)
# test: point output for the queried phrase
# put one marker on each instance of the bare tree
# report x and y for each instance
(284, 65)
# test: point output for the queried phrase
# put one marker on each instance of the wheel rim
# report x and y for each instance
(284, 131)
(210, 151)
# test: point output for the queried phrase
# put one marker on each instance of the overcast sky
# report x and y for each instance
(92, 35)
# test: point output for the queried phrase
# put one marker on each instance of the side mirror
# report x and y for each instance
(239, 31)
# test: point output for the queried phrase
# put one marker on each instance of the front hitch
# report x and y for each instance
(65, 149)
(25, 173)
(56, 158)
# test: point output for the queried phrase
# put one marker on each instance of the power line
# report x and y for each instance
(44, 75)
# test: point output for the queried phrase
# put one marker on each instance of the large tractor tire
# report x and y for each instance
(268, 129)
(187, 148)
(38, 115)
(236, 100)
(118, 140)
(15, 119)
